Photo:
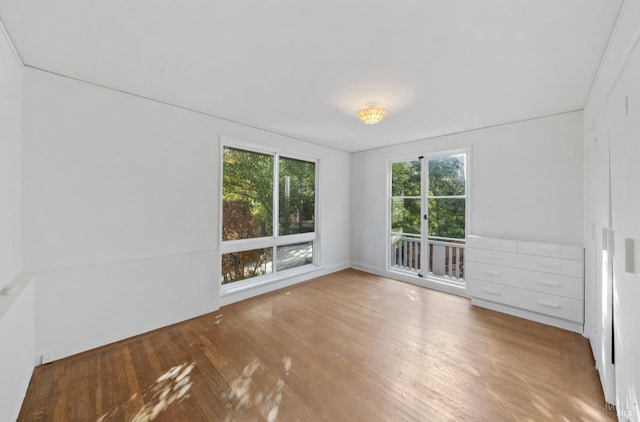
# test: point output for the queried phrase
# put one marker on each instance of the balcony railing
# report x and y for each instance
(446, 257)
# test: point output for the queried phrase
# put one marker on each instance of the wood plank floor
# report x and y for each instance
(349, 346)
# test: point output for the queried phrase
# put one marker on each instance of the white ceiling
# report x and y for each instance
(303, 68)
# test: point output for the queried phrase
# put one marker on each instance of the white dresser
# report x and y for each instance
(543, 282)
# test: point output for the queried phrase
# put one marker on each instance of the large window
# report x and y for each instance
(268, 213)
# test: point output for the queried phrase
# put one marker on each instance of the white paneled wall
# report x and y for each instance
(612, 115)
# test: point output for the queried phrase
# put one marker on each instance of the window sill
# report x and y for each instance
(240, 290)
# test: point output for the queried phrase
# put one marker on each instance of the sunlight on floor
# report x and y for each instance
(413, 295)
(170, 387)
(244, 396)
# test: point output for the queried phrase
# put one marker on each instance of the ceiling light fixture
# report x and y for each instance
(372, 114)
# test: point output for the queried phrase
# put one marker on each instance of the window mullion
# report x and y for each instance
(276, 194)
(276, 210)
(424, 211)
(447, 197)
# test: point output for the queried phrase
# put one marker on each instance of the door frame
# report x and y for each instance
(426, 280)
(599, 252)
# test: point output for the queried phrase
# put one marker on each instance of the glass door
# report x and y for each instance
(428, 216)
(445, 215)
(406, 216)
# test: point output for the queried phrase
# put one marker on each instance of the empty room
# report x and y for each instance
(319, 211)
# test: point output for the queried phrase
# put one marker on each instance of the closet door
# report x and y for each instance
(624, 121)
(599, 271)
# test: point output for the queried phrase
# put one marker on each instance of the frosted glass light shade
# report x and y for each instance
(372, 115)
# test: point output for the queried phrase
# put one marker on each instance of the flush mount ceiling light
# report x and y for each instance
(372, 114)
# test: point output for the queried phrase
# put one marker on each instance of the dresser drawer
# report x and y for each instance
(491, 243)
(528, 262)
(542, 303)
(551, 250)
(555, 284)
(491, 257)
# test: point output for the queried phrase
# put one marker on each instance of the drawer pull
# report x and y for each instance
(491, 291)
(491, 273)
(549, 283)
(491, 258)
(553, 266)
(548, 304)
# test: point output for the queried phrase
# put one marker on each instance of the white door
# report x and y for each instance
(599, 260)
(624, 121)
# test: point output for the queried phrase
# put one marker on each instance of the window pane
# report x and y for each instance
(446, 176)
(405, 216)
(246, 264)
(405, 179)
(297, 187)
(247, 195)
(446, 217)
(295, 255)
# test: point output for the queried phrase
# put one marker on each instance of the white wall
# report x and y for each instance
(618, 79)
(10, 143)
(121, 207)
(526, 183)
(17, 310)
(17, 345)
(86, 307)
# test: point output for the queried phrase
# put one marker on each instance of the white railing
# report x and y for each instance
(405, 253)
(446, 257)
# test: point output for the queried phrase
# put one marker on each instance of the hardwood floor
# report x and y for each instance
(349, 346)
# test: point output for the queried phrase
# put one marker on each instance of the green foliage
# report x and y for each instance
(248, 178)
(405, 212)
(297, 196)
(405, 178)
(405, 215)
(248, 204)
(446, 176)
(446, 216)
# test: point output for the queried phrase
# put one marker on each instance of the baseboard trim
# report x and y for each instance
(533, 316)
(427, 282)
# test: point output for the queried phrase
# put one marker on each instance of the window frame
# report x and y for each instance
(275, 240)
